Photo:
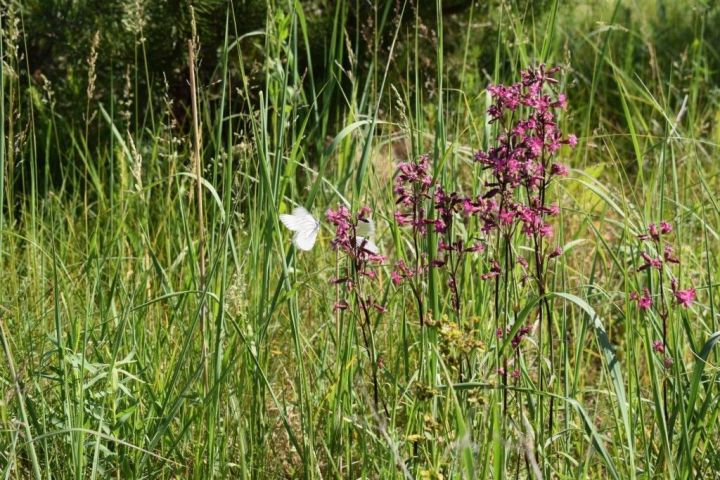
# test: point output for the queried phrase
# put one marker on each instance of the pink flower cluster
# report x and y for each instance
(523, 154)
(518, 337)
(521, 159)
(412, 188)
(656, 235)
(659, 347)
(358, 251)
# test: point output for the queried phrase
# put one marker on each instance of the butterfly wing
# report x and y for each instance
(367, 245)
(297, 220)
(365, 228)
(365, 231)
(304, 239)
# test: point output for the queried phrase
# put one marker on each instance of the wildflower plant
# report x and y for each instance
(517, 206)
(658, 267)
(413, 189)
(513, 207)
(416, 193)
(358, 262)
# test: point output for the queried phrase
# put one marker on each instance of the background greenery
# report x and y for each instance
(309, 102)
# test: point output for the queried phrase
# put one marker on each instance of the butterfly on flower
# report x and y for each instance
(306, 229)
(365, 235)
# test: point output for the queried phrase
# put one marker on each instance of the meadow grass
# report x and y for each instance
(157, 322)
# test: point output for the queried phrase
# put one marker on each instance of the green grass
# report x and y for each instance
(127, 353)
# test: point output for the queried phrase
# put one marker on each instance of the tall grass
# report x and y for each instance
(156, 321)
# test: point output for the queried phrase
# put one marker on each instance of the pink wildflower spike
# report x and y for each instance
(668, 361)
(515, 374)
(396, 278)
(658, 346)
(557, 251)
(665, 227)
(572, 140)
(686, 297)
(375, 257)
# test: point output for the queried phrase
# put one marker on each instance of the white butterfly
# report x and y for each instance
(304, 225)
(365, 235)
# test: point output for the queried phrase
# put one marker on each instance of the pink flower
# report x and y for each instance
(652, 228)
(650, 262)
(371, 274)
(535, 145)
(561, 101)
(559, 169)
(476, 247)
(572, 140)
(686, 297)
(469, 207)
(506, 217)
(644, 301)
(494, 271)
(403, 219)
(364, 212)
(658, 346)
(546, 230)
(669, 256)
(665, 227)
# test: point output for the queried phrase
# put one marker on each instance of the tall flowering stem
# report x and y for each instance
(522, 167)
(354, 279)
(413, 188)
(658, 255)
